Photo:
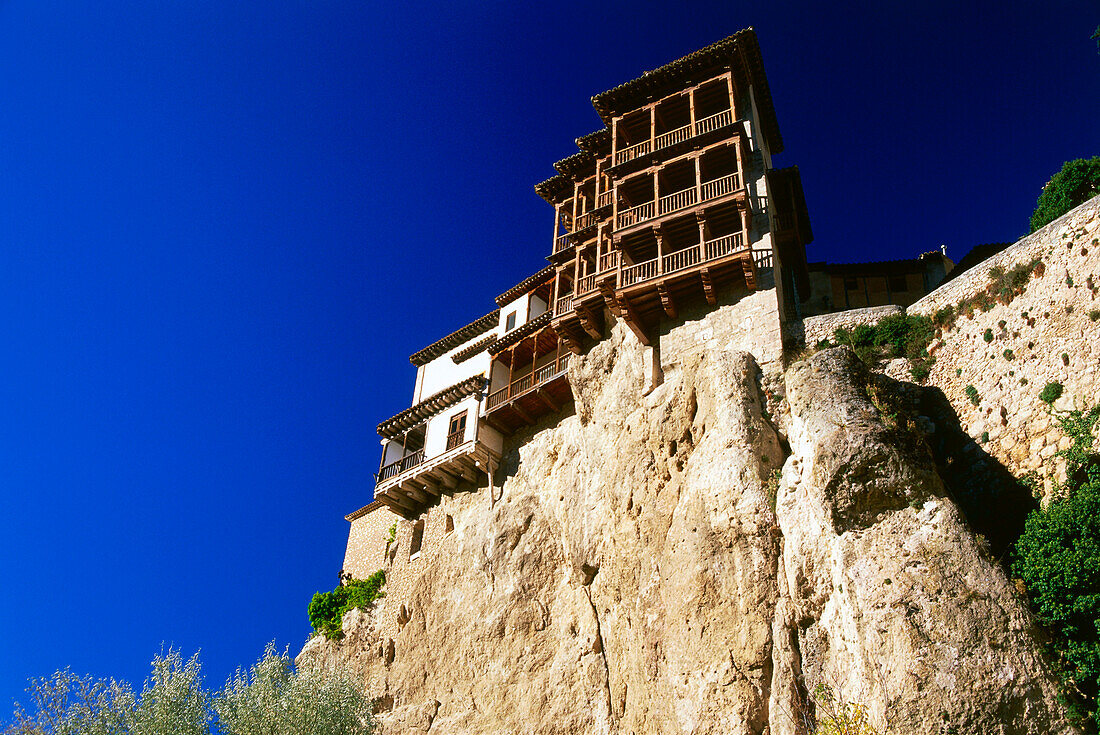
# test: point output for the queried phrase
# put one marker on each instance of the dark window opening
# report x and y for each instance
(510, 324)
(417, 540)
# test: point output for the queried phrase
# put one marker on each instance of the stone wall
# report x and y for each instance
(1050, 333)
(817, 328)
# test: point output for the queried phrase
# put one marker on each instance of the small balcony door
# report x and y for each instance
(456, 430)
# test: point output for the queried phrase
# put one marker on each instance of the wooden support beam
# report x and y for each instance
(496, 424)
(415, 493)
(399, 501)
(522, 414)
(634, 321)
(588, 321)
(545, 397)
(667, 302)
(571, 342)
(607, 290)
(431, 486)
(390, 503)
(749, 267)
(708, 286)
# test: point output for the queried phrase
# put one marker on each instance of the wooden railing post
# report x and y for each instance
(660, 249)
(653, 127)
(702, 236)
(698, 182)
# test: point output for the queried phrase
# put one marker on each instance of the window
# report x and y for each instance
(897, 283)
(417, 540)
(510, 323)
(456, 431)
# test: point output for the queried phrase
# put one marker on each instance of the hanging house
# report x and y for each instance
(672, 201)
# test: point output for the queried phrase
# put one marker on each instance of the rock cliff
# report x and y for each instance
(691, 558)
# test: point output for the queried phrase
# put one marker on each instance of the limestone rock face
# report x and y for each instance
(642, 568)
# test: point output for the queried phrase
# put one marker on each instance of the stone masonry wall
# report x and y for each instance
(1050, 333)
(817, 328)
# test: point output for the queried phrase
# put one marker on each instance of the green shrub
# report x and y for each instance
(1058, 559)
(988, 335)
(1051, 392)
(972, 393)
(1009, 354)
(1076, 183)
(326, 609)
(1094, 315)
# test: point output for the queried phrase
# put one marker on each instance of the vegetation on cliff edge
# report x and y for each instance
(1075, 184)
(326, 609)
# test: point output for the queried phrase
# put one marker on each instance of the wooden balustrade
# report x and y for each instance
(672, 137)
(605, 199)
(564, 305)
(543, 374)
(585, 220)
(405, 463)
(609, 261)
(721, 187)
(676, 200)
(720, 247)
(679, 260)
(454, 440)
(585, 284)
(643, 271)
(564, 242)
(713, 122)
(632, 152)
(634, 215)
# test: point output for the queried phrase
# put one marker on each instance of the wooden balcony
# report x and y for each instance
(536, 394)
(605, 199)
(562, 242)
(532, 380)
(412, 486)
(564, 305)
(709, 250)
(678, 200)
(673, 137)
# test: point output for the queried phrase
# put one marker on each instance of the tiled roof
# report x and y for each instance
(520, 332)
(467, 352)
(525, 285)
(368, 508)
(597, 143)
(393, 427)
(554, 188)
(740, 50)
(456, 338)
(582, 163)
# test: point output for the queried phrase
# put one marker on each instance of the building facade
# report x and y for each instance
(672, 207)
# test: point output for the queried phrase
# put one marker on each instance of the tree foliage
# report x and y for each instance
(1076, 183)
(271, 698)
(274, 699)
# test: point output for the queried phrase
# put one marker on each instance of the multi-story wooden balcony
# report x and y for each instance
(662, 141)
(415, 482)
(518, 388)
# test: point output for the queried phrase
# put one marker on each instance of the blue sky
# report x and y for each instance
(225, 226)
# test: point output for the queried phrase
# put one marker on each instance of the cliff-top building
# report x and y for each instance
(671, 205)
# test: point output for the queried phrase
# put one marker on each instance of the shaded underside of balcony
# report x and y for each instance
(528, 406)
(420, 486)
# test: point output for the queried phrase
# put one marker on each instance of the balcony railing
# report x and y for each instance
(679, 200)
(679, 135)
(720, 187)
(634, 215)
(632, 152)
(714, 249)
(585, 220)
(405, 463)
(520, 386)
(609, 261)
(605, 199)
(563, 242)
(586, 284)
(672, 137)
(713, 122)
(763, 257)
(564, 305)
(676, 200)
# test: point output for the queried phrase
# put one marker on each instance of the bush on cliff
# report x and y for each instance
(326, 609)
(1076, 183)
(1058, 559)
